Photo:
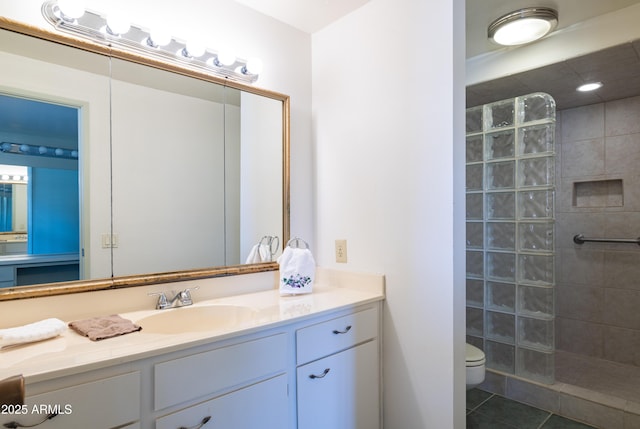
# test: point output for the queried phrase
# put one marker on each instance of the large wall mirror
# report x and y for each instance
(117, 170)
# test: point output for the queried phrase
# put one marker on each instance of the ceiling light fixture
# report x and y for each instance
(523, 26)
(122, 35)
(592, 86)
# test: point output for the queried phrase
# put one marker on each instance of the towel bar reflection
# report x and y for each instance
(581, 239)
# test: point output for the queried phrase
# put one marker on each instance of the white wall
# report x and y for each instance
(387, 113)
(147, 197)
(261, 130)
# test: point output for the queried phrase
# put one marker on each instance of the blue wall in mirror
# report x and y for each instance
(43, 137)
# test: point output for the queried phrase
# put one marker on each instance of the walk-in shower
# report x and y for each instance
(557, 317)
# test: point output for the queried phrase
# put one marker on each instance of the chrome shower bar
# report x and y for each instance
(581, 239)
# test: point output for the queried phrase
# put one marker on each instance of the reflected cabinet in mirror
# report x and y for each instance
(117, 170)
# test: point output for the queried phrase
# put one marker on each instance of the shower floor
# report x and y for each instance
(600, 376)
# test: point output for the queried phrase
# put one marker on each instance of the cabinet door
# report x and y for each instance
(341, 391)
(262, 405)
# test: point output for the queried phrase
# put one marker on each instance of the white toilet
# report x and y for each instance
(475, 366)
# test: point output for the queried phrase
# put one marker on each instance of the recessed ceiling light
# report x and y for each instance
(589, 86)
(523, 26)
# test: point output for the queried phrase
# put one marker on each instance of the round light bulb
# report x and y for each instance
(71, 9)
(42, 150)
(74, 153)
(194, 49)
(226, 58)
(254, 66)
(5, 177)
(6, 146)
(59, 152)
(117, 25)
(24, 148)
(16, 178)
(159, 37)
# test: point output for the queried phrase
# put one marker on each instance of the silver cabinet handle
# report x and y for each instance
(324, 373)
(347, 329)
(15, 425)
(199, 425)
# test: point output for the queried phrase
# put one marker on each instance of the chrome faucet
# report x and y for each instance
(180, 299)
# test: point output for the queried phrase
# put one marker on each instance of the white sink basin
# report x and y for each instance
(196, 319)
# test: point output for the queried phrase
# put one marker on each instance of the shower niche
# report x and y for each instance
(598, 194)
(510, 187)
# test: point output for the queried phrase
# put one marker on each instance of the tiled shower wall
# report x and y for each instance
(510, 168)
(598, 195)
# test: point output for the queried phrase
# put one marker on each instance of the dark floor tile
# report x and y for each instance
(476, 397)
(557, 422)
(476, 420)
(514, 413)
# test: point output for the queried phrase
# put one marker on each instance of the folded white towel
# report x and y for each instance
(264, 250)
(254, 255)
(259, 253)
(37, 331)
(297, 271)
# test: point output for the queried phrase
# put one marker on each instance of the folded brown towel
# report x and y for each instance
(100, 328)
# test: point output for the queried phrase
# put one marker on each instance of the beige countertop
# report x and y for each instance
(71, 353)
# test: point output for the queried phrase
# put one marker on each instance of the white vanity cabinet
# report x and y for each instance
(338, 373)
(112, 402)
(319, 371)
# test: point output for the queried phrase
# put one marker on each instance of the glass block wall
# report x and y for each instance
(510, 165)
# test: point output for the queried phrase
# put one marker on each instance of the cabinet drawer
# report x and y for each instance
(7, 274)
(262, 405)
(194, 376)
(328, 337)
(101, 404)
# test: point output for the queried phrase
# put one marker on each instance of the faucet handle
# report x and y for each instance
(162, 300)
(185, 296)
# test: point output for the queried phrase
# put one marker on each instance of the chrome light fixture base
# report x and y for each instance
(523, 26)
(93, 26)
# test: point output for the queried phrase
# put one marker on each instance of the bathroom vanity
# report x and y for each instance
(241, 356)
(310, 361)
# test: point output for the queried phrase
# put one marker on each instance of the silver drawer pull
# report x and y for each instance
(14, 425)
(347, 329)
(324, 373)
(198, 426)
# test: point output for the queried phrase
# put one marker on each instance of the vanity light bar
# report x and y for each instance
(38, 150)
(93, 26)
(12, 179)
